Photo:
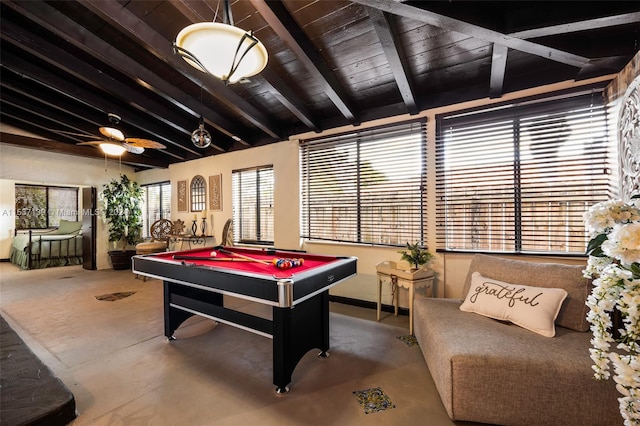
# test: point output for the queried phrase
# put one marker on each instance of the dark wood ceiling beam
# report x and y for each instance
(67, 29)
(451, 24)
(283, 92)
(41, 115)
(83, 151)
(63, 86)
(124, 21)
(199, 12)
(587, 25)
(498, 68)
(500, 52)
(385, 28)
(283, 24)
(66, 62)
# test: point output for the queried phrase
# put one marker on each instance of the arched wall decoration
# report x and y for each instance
(629, 141)
(198, 194)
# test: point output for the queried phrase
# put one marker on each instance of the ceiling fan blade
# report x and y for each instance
(144, 143)
(133, 149)
(112, 133)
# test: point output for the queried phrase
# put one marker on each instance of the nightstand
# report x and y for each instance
(399, 278)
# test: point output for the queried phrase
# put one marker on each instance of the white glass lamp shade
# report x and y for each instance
(214, 45)
(112, 149)
(112, 133)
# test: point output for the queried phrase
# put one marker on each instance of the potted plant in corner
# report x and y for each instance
(121, 201)
(416, 256)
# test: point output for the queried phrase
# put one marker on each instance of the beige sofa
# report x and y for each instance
(491, 371)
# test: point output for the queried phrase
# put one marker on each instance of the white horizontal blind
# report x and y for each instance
(156, 204)
(365, 187)
(518, 178)
(253, 205)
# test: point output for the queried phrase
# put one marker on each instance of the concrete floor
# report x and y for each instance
(121, 369)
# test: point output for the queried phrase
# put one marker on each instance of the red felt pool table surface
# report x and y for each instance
(237, 263)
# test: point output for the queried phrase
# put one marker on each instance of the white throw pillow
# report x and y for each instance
(533, 308)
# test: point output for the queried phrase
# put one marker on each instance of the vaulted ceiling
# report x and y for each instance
(66, 64)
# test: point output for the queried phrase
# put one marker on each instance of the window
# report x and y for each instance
(253, 205)
(156, 204)
(518, 178)
(365, 187)
(198, 194)
(41, 206)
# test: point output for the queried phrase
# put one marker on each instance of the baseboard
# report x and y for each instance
(366, 304)
(4, 260)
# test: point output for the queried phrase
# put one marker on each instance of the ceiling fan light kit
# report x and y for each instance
(112, 149)
(222, 49)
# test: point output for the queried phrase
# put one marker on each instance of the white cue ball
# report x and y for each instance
(213, 254)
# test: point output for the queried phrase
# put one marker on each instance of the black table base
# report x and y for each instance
(295, 331)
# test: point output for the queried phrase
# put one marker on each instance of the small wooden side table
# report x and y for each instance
(399, 278)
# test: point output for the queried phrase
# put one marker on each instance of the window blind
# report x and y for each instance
(253, 205)
(365, 187)
(518, 178)
(156, 204)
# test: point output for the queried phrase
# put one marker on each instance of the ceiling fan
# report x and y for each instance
(115, 143)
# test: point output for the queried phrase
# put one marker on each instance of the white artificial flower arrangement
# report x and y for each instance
(614, 266)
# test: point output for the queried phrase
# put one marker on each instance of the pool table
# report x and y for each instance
(195, 282)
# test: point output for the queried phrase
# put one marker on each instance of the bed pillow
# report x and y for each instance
(68, 227)
(533, 308)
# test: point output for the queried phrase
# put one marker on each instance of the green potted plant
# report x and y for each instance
(121, 201)
(416, 255)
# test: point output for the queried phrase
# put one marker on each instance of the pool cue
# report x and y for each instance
(221, 250)
(221, 259)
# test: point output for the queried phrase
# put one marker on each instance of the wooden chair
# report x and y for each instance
(227, 233)
(159, 231)
(159, 242)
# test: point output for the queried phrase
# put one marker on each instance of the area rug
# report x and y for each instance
(373, 400)
(112, 297)
(408, 340)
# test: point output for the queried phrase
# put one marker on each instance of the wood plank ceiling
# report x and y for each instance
(66, 64)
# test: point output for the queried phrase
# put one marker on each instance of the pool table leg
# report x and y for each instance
(296, 331)
(174, 317)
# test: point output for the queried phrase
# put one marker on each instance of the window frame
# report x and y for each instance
(262, 236)
(38, 210)
(519, 110)
(146, 219)
(385, 197)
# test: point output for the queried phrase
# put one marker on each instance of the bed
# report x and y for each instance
(59, 247)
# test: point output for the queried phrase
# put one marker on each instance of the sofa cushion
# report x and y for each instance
(572, 315)
(533, 308)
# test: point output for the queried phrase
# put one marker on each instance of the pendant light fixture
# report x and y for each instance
(201, 136)
(221, 49)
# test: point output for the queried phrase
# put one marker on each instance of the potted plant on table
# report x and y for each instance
(416, 255)
(121, 201)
